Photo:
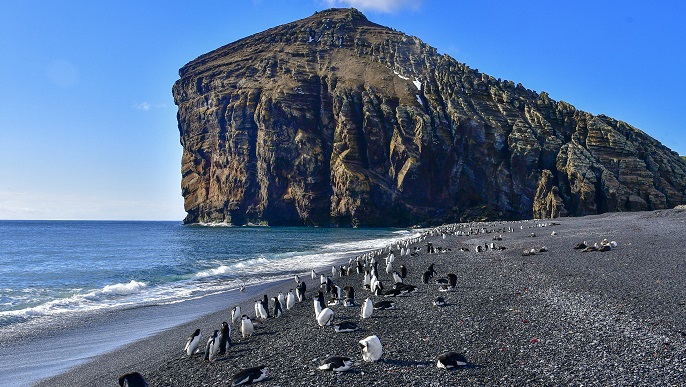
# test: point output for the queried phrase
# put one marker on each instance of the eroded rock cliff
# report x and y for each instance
(334, 120)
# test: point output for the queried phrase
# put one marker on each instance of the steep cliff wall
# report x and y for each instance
(334, 120)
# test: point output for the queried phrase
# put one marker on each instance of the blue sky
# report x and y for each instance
(88, 123)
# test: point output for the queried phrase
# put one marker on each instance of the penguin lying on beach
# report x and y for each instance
(345, 326)
(336, 363)
(249, 376)
(450, 360)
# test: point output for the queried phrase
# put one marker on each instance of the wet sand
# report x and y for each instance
(554, 318)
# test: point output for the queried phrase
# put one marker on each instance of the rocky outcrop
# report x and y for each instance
(336, 121)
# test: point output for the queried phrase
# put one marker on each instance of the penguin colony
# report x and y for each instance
(378, 298)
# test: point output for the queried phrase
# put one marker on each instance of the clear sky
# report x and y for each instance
(88, 123)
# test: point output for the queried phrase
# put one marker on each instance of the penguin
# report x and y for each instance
(405, 288)
(212, 346)
(297, 279)
(260, 311)
(426, 277)
(328, 284)
(366, 280)
(397, 278)
(371, 348)
(313, 275)
(389, 268)
(290, 300)
(403, 271)
(452, 280)
(236, 313)
(322, 280)
(249, 376)
(265, 305)
(378, 288)
(300, 291)
(224, 338)
(384, 305)
(345, 326)
(448, 360)
(367, 309)
(325, 317)
(277, 307)
(342, 271)
(192, 343)
(336, 363)
(247, 328)
(581, 245)
(333, 271)
(432, 270)
(359, 267)
(439, 301)
(242, 288)
(319, 304)
(282, 298)
(132, 379)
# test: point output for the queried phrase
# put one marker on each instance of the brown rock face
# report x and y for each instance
(336, 121)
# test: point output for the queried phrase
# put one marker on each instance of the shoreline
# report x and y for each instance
(557, 317)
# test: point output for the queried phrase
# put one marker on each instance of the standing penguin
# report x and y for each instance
(371, 348)
(236, 313)
(319, 304)
(247, 328)
(277, 307)
(452, 280)
(224, 338)
(282, 299)
(290, 300)
(212, 346)
(300, 291)
(265, 305)
(192, 343)
(260, 311)
(403, 271)
(367, 309)
(313, 274)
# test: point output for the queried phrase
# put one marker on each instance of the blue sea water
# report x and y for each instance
(54, 272)
(53, 268)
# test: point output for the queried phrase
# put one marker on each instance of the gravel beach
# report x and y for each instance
(558, 317)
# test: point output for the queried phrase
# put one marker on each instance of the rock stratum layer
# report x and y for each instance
(333, 120)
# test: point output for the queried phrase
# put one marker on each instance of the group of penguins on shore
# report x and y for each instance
(366, 264)
(371, 348)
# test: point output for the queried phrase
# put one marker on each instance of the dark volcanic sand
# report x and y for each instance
(556, 318)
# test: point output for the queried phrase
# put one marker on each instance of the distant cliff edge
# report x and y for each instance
(333, 120)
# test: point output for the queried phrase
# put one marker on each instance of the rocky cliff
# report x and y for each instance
(333, 120)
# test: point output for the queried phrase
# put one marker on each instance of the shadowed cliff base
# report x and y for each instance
(333, 120)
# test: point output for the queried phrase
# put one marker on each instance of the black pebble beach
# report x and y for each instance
(558, 317)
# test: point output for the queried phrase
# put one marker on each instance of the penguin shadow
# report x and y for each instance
(406, 363)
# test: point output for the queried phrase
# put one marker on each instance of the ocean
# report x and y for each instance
(63, 276)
